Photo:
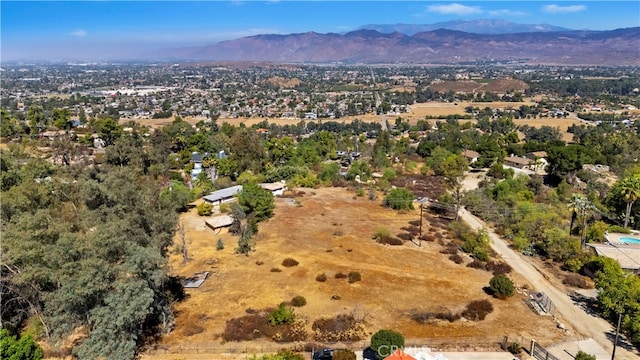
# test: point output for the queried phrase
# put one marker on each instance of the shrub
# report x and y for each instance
(321, 278)
(405, 236)
(422, 317)
(205, 209)
(399, 199)
(344, 354)
(581, 355)
(381, 233)
(298, 301)
(23, 348)
(354, 276)
(225, 208)
(498, 268)
(456, 258)
(384, 340)
(577, 280)
(391, 241)
(282, 315)
(289, 262)
(275, 269)
(515, 348)
(477, 310)
(619, 229)
(341, 275)
(343, 327)
(501, 287)
(220, 245)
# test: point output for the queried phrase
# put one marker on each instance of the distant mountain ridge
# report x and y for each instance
(615, 47)
(478, 26)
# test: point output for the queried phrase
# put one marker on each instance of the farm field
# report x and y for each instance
(329, 230)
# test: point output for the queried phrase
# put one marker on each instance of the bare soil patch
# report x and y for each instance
(396, 281)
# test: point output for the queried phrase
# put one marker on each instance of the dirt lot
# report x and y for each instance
(329, 232)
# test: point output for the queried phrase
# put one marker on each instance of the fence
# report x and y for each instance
(541, 353)
(541, 303)
(492, 343)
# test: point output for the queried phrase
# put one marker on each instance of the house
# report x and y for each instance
(539, 160)
(310, 115)
(196, 159)
(277, 188)
(518, 162)
(399, 355)
(471, 156)
(223, 195)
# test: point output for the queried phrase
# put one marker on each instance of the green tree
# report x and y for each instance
(24, 348)
(256, 201)
(178, 195)
(61, 118)
(501, 286)
(399, 199)
(108, 130)
(628, 189)
(385, 342)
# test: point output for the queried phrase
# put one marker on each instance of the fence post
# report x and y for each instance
(533, 347)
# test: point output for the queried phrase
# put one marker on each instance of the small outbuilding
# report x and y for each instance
(223, 195)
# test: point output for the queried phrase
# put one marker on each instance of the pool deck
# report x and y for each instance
(628, 255)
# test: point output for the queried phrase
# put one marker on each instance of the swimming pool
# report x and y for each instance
(629, 240)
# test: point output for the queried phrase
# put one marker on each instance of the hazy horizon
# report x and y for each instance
(112, 30)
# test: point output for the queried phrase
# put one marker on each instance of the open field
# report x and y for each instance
(330, 232)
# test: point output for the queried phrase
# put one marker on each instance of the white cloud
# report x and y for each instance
(558, 9)
(506, 12)
(454, 9)
(79, 33)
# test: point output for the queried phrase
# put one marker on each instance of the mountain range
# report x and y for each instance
(477, 26)
(571, 47)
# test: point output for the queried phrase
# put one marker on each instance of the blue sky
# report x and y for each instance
(111, 29)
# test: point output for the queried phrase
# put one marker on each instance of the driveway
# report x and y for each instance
(591, 326)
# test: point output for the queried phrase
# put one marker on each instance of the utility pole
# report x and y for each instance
(419, 240)
(615, 343)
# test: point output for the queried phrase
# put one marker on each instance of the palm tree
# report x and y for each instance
(629, 188)
(580, 205)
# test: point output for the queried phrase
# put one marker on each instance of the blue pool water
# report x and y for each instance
(630, 240)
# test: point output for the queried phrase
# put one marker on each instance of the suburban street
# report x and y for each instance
(586, 324)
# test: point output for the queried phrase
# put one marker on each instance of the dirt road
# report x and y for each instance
(591, 326)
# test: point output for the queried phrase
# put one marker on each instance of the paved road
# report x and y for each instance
(591, 326)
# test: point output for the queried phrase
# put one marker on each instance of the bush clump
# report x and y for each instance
(354, 276)
(422, 317)
(399, 199)
(501, 287)
(289, 262)
(341, 275)
(343, 327)
(383, 340)
(321, 277)
(282, 315)
(456, 258)
(578, 281)
(298, 301)
(220, 245)
(275, 269)
(477, 310)
(204, 209)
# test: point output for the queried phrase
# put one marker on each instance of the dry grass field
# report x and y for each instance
(329, 230)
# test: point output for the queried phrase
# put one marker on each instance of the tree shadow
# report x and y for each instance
(589, 305)
(622, 341)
